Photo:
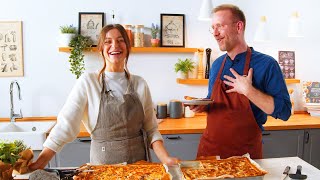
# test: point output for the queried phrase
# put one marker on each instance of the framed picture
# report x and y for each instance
(90, 24)
(172, 30)
(11, 52)
(287, 64)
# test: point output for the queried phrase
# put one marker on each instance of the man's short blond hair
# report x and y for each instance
(237, 13)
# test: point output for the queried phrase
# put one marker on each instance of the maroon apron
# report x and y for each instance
(231, 127)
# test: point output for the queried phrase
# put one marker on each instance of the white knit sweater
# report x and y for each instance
(83, 105)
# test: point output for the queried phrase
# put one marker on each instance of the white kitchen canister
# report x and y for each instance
(188, 113)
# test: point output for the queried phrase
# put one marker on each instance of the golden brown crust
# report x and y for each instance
(233, 167)
(136, 171)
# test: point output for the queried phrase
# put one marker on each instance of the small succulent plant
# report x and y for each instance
(154, 31)
(68, 29)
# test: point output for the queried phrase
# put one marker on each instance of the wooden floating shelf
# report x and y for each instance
(292, 81)
(205, 81)
(146, 49)
(193, 81)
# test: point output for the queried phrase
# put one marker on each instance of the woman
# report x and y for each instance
(115, 107)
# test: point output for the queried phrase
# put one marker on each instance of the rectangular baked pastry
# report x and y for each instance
(136, 171)
(238, 167)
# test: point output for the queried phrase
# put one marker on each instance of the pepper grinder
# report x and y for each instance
(208, 53)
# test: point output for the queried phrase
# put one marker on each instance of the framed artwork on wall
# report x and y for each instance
(172, 30)
(287, 64)
(11, 52)
(90, 24)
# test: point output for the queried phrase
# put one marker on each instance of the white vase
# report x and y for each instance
(182, 75)
(65, 39)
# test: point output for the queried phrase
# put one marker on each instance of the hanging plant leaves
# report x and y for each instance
(76, 58)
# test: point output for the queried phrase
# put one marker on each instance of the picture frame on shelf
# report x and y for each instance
(11, 49)
(172, 30)
(90, 24)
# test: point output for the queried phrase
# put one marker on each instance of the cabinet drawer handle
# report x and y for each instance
(266, 134)
(84, 140)
(174, 138)
(307, 137)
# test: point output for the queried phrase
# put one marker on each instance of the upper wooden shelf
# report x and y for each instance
(146, 49)
(193, 81)
(205, 81)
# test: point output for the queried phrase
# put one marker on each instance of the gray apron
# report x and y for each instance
(118, 135)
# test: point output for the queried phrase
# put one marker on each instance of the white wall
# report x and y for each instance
(47, 80)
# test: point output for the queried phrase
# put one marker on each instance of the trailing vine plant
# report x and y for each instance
(79, 43)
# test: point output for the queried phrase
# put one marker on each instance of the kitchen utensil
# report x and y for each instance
(68, 173)
(298, 174)
(285, 173)
(208, 53)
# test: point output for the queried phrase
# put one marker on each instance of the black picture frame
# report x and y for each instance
(172, 30)
(90, 24)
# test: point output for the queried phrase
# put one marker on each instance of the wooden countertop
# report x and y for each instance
(197, 124)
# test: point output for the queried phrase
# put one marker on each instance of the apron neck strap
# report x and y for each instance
(103, 83)
(246, 66)
(248, 58)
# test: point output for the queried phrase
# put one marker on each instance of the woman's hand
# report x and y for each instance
(171, 161)
(162, 154)
(43, 159)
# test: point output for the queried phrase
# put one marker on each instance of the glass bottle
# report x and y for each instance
(138, 36)
(128, 28)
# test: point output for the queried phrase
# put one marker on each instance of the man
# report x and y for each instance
(245, 85)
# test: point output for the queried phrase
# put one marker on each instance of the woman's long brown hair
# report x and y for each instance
(101, 41)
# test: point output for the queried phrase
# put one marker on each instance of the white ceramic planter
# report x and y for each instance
(182, 75)
(65, 39)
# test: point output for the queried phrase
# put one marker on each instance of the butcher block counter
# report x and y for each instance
(197, 124)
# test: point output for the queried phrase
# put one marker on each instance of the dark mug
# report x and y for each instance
(175, 109)
(162, 111)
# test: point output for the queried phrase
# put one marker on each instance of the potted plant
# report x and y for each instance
(183, 67)
(76, 58)
(14, 156)
(67, 32)
(155, 41)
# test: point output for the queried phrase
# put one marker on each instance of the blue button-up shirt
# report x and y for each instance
(267, 77)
